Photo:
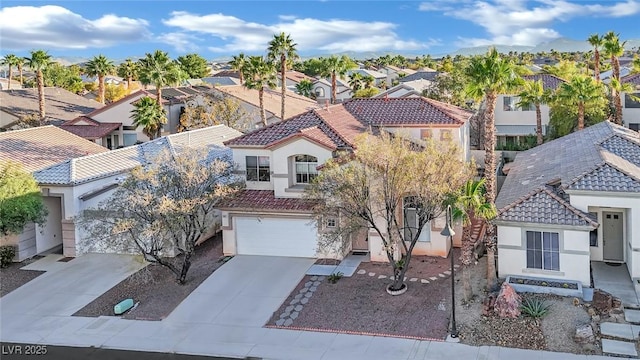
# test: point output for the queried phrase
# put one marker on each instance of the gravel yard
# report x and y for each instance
(155, 289)
(12, 277)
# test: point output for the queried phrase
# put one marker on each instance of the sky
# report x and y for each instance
(214, 29)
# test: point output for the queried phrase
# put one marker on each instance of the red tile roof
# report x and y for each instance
(91, 129)
(255, 200)
(338, 125)
(549, 81)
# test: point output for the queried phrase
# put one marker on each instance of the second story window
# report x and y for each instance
(258, 168)
(306, 168)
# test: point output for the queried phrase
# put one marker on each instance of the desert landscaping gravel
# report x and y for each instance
(12, 277)
(154, 287)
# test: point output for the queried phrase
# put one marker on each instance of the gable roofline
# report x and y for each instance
(279, 123)
(134, 94)
(300, 134)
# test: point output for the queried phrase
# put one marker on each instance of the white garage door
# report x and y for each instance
(275, 237)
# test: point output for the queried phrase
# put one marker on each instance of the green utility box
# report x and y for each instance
(123, 306)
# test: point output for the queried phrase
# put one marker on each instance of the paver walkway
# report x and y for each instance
(224, 316)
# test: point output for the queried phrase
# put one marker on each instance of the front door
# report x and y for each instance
(359, 240)
(612, 236)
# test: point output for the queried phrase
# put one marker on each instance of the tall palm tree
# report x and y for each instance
(596, 41)
(614, 48)
(10, 60)
(534, 94)
(356, 81)
(470, 204)
(39, 61)
(282, 49)
(335, 66)
(159, 70)
(149, 114)
(20, 65)
(581, 91)
(260, 73)
(128, 70)
(237, 63)
(305, 88)
(100, 66)
(489, 76)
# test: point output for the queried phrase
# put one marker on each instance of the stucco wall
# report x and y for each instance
(573, 257)
(519, 117)
(24, 242)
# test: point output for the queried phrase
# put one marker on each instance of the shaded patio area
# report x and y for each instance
(615, 279)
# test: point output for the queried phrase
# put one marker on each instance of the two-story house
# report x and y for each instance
(271, 217)
(630, 103)
(514, 122)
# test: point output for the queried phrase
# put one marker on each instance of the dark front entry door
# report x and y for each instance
(613, 236)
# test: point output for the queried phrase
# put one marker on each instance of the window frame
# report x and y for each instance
(541, 253)
(311, 169)
(425, 235)
(259, 172)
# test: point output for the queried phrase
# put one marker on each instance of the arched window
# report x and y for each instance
(306, 168)
(320, 92)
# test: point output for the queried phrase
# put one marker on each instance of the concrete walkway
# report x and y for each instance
(614, 280)
(224, 317)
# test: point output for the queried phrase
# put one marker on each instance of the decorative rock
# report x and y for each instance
(284, 315)
(413, 279)
(298, 296)
(313, 288)
(362, 272)
(508, 302)
(405, 279)
(487, 305)
(424, 281)
(602, 302)
(447, 272)
(372, 274)
(441, 275)
(320, 278)
(280, 322)
(382, 277)
(584, 334)
(298, 308)
(433, 278)
(304, 301)
(294, 301)
(308, 295)
(288, 322)
(304, 290)
(316, 283)
(289, 308)
(308, 283)
(294, 315)
(456, 266)
(314, 278)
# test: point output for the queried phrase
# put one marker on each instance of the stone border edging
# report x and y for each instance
(351, 332)
(442, 275)
(292, 311)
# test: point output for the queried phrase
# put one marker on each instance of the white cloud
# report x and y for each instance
(182, 42)
(513, 22)
(335, 35)
(55, 27)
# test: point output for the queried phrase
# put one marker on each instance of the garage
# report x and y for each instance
(275, 237)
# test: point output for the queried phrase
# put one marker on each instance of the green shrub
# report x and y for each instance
(7, 253)
(534, 307)
(333, 278)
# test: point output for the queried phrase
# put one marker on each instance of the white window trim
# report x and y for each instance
(257, 168)
(560, 247)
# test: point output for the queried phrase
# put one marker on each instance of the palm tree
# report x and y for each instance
(581, 91)
(39, 61)
(283, 50)
(369, 81)
(336, 66)
(636, 64)
(10, 60)
(489, 76)
(259, 74)
(100, 66)
(615, 49)
(237, 63)
(470, 204)
(159, 70)
(20, 64)
(128, 70)
(596, 41)
(534, 94)
(356, 81)
(149, 114)
(305, 88)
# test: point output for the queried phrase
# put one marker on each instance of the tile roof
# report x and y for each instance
(543, 206)
(89, 168)
(221, 80)
(90, 129)
(420, 75)
(341, 123)
(227, 73)
(549, 82)
(295, 104)
(633, 79)
(405, 111)
(602, 157)
(60, 104)
(40, 147)
(297, 76)
(256, 200)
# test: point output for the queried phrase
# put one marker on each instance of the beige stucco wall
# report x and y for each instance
(519, 117)
(24, 242)
(573, 257)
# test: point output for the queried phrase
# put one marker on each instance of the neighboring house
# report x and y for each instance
(322, 91)
(4, 84)
(36, 149)
(378, 76)
(221, 80)
(293, 78)
(514, 123)
(249, 99)
(108, 79)
(394, 73)
(271, 217)
(631, 106)
(227, 73)
(60, 106)
(429, 76)
(605, 76)
(571, 201)
(83, 182)
(399, 91)
(112, 126)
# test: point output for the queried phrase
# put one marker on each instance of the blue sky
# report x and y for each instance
(119, 29)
